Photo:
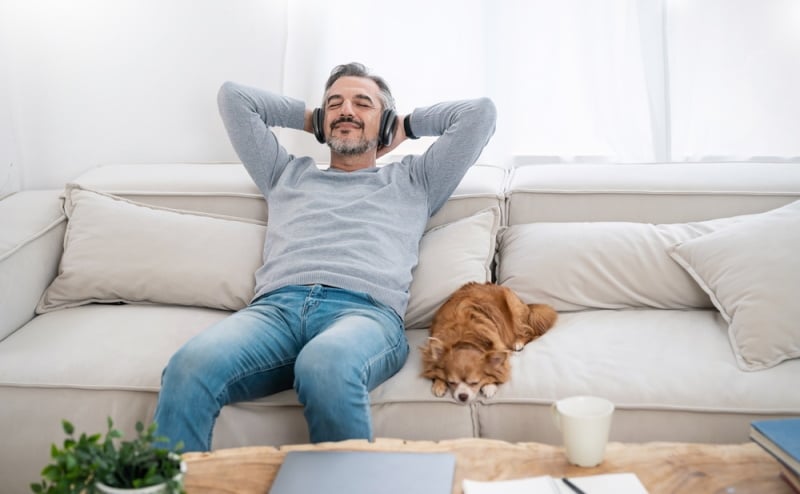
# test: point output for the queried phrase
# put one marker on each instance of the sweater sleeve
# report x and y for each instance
(464, 128)
(248, 113)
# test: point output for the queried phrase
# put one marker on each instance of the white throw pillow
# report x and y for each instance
(116, 250)
(449, 256)
(751, 271)
(601, 265)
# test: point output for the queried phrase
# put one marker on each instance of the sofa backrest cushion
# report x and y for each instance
(648, 193)
(451, 255)
(751, 271)
(116, 250)
(594, 235)
(121, 251)
(218, 188)
(227, 189)
(601, 265)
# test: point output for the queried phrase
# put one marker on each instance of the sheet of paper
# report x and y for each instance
(611, 483)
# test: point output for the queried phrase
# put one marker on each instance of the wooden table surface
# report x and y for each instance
(662, 467)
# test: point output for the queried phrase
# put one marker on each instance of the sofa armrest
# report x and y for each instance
(32, 225)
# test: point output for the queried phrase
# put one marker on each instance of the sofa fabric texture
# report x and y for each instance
(751, 271)
(676, 287)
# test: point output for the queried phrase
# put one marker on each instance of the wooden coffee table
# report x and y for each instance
(662, 467)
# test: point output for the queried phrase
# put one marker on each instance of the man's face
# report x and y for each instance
(352, 115)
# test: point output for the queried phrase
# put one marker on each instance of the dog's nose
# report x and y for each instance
(463, 396)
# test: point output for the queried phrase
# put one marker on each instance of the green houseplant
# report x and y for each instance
(93, 463)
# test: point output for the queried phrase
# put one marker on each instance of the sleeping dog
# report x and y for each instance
(473, 334)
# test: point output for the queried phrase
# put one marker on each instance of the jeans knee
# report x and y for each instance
(325, 377)
(184, 371)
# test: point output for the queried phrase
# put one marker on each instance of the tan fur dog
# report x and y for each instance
(472, 336)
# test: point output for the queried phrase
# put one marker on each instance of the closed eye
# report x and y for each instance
(363, 100)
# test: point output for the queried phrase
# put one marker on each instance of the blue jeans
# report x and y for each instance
(332, 345)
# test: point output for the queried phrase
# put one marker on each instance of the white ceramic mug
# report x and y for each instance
(584, 422)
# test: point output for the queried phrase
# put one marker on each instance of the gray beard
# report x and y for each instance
(348, 148)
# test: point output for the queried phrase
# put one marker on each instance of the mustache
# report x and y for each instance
(347, 119)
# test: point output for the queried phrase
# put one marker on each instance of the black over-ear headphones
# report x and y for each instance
(385, 133)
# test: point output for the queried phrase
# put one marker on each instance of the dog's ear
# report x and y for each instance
(496, 358)
(435, 348)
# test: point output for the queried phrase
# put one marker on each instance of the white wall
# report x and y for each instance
(9, 168)
(93, 82)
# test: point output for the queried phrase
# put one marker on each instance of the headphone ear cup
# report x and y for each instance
(318, 124)
(388, 127)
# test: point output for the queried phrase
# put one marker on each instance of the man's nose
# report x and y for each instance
(346, 108)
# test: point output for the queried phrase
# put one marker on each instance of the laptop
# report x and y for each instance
(365, 472)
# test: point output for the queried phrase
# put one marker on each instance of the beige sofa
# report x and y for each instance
(163, 251)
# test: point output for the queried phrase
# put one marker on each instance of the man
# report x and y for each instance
(326, 318)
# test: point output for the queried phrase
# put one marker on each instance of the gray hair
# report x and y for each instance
(356, 69)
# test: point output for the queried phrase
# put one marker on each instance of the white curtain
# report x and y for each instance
(734, 69)
(571, 79)
(574, 80)
(428, 51)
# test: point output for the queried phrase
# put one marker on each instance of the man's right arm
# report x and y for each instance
(248, 113)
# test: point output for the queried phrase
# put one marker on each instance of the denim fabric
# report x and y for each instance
(332, 345)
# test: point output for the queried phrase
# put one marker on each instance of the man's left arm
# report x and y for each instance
(464, 128)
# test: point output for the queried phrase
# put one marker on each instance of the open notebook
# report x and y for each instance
(362, 472)
(610, 483)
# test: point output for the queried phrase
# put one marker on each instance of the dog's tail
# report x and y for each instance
(541, 317)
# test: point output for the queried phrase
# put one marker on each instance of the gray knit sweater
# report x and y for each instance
(354, 230)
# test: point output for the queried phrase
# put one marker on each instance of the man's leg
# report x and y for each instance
(359, 345)
(247, 355)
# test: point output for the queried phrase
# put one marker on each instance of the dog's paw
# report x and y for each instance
(489, 390)
(439, 388)
(519, 345)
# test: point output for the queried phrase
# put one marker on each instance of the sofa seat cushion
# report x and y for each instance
(77, 358)
(671, 370)
(96, 347)
(85, 364)
(402, 407)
